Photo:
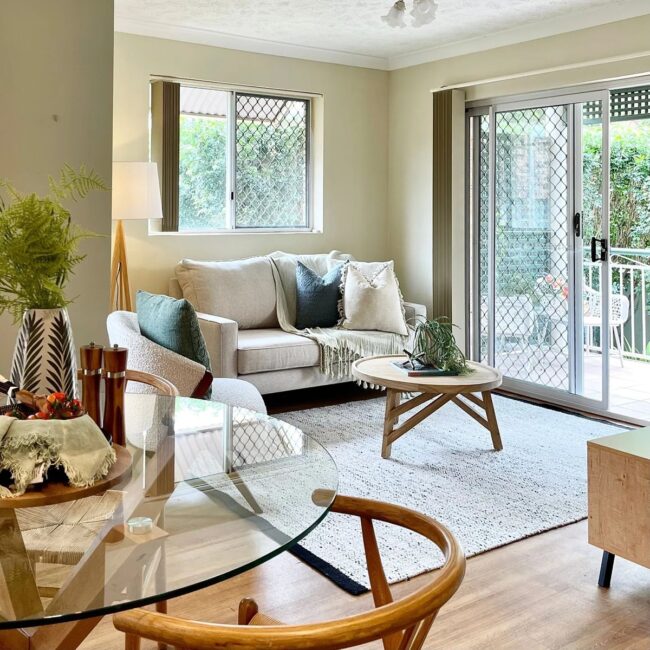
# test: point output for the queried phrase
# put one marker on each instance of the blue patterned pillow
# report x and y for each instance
(317, 297)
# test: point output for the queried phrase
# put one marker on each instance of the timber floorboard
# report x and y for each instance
(539, 593)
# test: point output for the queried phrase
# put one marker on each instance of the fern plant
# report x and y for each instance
(39, 243)
(434, 345)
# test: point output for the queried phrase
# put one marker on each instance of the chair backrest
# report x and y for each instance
(401, 624)
(619, 305)
(162, 386)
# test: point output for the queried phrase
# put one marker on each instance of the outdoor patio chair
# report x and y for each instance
(619, 312)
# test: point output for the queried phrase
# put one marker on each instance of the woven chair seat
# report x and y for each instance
(62, 533)
(263, 619)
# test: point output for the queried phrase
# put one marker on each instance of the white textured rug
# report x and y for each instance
(446, 468)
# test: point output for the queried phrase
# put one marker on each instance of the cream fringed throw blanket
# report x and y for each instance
(339, 348)
(78, 446)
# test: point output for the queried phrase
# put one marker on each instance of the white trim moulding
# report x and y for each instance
(246, 44)
(611, 12)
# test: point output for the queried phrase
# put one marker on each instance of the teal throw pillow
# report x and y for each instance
(317, 297)
(172, 324)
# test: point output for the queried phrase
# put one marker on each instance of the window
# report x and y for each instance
(232, 160)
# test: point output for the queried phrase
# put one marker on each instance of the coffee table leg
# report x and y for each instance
(392, 401)
(493, 425)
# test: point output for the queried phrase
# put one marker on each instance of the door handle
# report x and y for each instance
(576, 224)
(604, 249)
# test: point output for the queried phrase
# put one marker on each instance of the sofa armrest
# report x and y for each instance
(414, 312)
(220, 336)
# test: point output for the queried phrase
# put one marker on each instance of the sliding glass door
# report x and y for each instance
(529, 226)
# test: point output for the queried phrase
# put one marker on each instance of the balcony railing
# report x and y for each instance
(630, 273)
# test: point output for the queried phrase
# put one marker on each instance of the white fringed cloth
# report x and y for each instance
(339, 348)
(30, 447)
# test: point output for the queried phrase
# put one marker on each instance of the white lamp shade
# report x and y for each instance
(136, 191)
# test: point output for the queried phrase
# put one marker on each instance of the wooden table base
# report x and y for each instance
(479, 408)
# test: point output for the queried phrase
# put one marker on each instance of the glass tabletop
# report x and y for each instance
(213, 491)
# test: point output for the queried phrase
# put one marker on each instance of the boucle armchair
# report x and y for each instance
(185, 374)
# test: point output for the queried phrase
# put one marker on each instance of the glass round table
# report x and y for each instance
(213, 491)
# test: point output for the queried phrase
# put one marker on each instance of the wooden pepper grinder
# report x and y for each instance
(91, 377)
(115, 360)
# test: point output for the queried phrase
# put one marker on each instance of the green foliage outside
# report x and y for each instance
(629, 181)
(40, 243)
(202, 187)
(270, 174)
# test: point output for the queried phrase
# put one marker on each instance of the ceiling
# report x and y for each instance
(347, 31)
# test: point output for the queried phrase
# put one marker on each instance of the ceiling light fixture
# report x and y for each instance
(423, 13)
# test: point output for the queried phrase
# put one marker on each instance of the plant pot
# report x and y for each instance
(45, 359)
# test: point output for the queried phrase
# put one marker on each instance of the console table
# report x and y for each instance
(619, 498)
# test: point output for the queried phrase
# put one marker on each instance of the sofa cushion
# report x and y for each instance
(241, 290)
(172, 324)
(286, 263)
(317, 297)
(372, 299)
(263, 350)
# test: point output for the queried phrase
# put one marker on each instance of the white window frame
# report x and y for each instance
(231, 120)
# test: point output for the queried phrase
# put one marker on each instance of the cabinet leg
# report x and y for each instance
(606, 566)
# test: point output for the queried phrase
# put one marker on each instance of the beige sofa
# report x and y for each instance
(236, 305)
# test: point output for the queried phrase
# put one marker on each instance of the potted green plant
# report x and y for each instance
(38, 254)
(435, 351)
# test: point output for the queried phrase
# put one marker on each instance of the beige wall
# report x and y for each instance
(355, 172)
(410, 131)
(57, 60)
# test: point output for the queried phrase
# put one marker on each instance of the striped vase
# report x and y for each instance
(45, 359)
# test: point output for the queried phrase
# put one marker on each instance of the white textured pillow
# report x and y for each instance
(371, 298)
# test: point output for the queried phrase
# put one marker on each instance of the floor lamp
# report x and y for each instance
(136, 195)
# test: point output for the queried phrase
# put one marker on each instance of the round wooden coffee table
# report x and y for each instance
(437, 391)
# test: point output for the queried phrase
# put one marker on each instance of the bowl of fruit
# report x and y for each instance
(55, 406)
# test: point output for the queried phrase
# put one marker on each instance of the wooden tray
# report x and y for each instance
(59, 492)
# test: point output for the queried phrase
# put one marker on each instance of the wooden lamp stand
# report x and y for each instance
(120, 288)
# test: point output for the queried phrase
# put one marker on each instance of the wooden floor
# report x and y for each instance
(537, 594)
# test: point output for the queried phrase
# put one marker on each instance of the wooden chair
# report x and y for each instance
(401, 624)
(163, 386)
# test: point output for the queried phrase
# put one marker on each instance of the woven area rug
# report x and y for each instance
(445, 467)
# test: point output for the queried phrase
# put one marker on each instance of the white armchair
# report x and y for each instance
(619, 312)
(185, 374)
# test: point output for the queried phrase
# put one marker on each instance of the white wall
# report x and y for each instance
(355, 164)
(410, 130)
(55, 108)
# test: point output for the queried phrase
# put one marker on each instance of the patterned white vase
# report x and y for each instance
(45, 359)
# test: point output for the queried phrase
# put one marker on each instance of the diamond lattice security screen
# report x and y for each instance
(531, 265)
(271, 163)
